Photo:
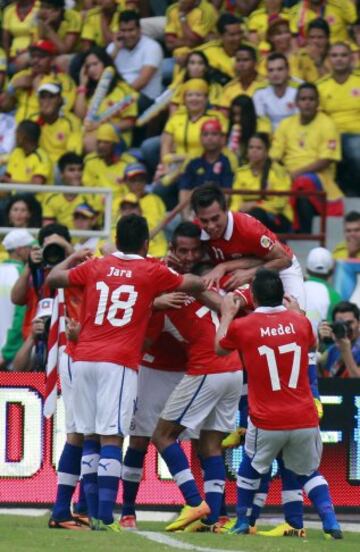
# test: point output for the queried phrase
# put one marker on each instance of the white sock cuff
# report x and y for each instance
(131, 474)
(214, 486)
(69, 479)
(109, 467)
(183, 476)
(89, 464)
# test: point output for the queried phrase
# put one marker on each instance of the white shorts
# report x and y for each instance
(300, 449)
(104, 397)
(65, 373)
(208, 402)
(293, 282)
(154, 389)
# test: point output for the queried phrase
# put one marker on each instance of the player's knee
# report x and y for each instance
(75, 439)
(139, 443)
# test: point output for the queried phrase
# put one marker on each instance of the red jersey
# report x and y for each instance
(118, 293)
(244, 236)
(166, 353)
(273, 344)
(196, 326)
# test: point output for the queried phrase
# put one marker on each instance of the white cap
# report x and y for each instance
(44, 308)
(51, 87)
(17, 238)
(320, 261)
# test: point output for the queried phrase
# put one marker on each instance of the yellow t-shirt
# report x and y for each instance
(70, 23)
(234, 88)
(201, 20)
(258, 22)
(278, 181)
(60, 137)
(186, 133)
(57, 207)
(218, 58)
(153, 209)
(342, 102)
(21, 30)
(298, 145)
(215, 93)
(92, 29)
(27, 100)
(338, 13)
(3, 61)
(301, 66)
(341, 252)
(22, 168)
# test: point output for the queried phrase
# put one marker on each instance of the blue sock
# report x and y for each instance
(179, 468)
(260, 499)
(109, 472)
(313, 375)
(81, 505)
(243, 404)
(317, 489)
(214, 484)
(89, 468)
(291, 497)
(68, 476)
(131, 477)
(248, 483)
(223, 509)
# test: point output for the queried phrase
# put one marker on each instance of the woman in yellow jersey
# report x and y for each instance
(264, 175)
(18, 26)
(94, 63)
(197, 67)
(243, 124)
(280, 40)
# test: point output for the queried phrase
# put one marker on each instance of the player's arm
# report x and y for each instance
(58, 276)
(213, 277)
(191, 284)
(229, 308)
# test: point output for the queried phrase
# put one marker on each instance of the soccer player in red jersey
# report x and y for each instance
(273, 343)
(238, 244)
(118, 293)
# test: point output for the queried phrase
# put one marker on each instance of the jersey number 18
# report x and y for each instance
(116, 304)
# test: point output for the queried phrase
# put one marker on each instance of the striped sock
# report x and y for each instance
(260, 499)
(179, 468)
(89, 468)
(131, 477)
(248, 483)
(214, 485)
(68, 476)
(109, 472)
(291, 497)
(317, 489)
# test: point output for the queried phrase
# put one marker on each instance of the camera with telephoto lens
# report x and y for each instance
(341, 329)
(53, 254)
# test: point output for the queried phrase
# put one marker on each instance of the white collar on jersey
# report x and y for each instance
(127, 256)
(269, 310)
(228, 230)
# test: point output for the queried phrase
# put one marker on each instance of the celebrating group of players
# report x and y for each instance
(149, 358)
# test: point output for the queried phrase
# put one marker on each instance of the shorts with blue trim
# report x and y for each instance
(65, 373)
(205, 402)
(104, 397)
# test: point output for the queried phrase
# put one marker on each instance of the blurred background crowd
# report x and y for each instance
(152, 98)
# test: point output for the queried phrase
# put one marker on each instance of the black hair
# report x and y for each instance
(69, 158)
(31, 129)
(307, 86)
(185, 229)
(352, 216)
(201, 268)
(54, 228)
(132, 232)
(276, 55)
(107, 61)
(247, 117)
(129, 15)
(201, 54)
(265, 139)
(205, 195)
(33, 206)
(321, 24)
(267, 288)
(59, 4)
(249, 49)
(226, 19)
(346, 306)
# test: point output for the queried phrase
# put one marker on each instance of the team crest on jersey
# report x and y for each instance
(332, 144)
(266, 242)
(355, 92)
(60, 136)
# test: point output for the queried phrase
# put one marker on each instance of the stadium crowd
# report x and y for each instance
(157, 100)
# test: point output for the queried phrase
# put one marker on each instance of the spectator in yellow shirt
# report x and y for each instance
(338, 13)
(318, 45)
(247, 79)
(3, 68)
(350, 247)
(99, 25)
(61, 26)
(309, 147)
(261, 174)
(21, 92)
(59, 133)
(152, 206)
(60, 207)
(94, 63)
(259, 20)
(28, 163)
(18, 25)
(340, 99)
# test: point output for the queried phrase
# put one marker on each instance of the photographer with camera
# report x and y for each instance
(340, 341)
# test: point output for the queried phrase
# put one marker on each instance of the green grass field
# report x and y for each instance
(30, 534)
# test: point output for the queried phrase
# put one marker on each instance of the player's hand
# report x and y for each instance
(174, 300)
(290, 303)
(230, 305)
(80, 256)
(239, 278)
(72, 329)
(173, 261)
(212, 278)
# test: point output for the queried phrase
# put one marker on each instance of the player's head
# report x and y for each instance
(209, 204)
(267, 288)
(132, 235)
(186, 245)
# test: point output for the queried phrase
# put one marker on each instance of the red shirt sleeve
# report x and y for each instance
(230, 341)
(79, 275)
(166, 279)
(155, 326)
(259, 239)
